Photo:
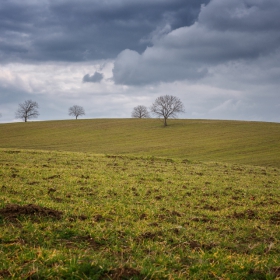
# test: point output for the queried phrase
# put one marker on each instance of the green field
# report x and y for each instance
(130, 199)
(256, 143)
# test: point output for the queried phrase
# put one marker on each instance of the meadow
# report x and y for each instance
(75, 206)
(255, 143)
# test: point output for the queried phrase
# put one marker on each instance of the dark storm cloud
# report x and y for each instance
(226, 32)
(85, 30)
(95, 78)
(242, 15)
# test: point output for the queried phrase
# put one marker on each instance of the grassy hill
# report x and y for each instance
(131, 199)
(256, 143)
(66, 215)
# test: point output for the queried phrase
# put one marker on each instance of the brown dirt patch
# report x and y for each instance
(4, 273)
(143, 216)
(13, 211)
(276, 271)
(53, 177)
(248, 214)
(79, 217)
(197, 245)
(13, 242)
(76, 241)
(210, 207)
(123, 273)
(275, 218)
(201, 219)
(151, 235)
(175, 213)
(98, 218)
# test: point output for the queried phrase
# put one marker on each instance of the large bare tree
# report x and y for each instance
(76, 111)
(140, 112)
(27, 110)
(167, 106)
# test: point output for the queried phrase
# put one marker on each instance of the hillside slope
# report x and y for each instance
(256, 143)
(69, 215)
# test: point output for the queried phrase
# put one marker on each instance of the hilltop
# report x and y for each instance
(241, 142)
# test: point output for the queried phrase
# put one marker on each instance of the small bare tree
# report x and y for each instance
(140, 112)
(167, 106)
(76, 111)
(27, 110)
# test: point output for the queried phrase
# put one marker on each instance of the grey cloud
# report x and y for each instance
(95, 78)
(131, 68)
(189, 52)
(242, 15)
(85, 30)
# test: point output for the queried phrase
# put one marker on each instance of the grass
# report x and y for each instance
(130, 199)
(255, 143)
(66, 215)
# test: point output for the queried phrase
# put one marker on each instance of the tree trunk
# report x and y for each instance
(165, 121)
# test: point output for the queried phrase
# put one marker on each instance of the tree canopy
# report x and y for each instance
(76, 111)
(167, 106)
(27, 110)
(140, 112)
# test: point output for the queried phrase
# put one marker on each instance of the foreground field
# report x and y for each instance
(83, 216)
(255, 143)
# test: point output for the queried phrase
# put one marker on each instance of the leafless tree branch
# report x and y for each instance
(140, 112)
(76, 111)
(167, 106)
(27, 110)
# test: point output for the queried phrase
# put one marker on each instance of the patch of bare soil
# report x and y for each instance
(77, 240)
(13, 211)
(79, 217)
(4, 274)
(247, 214)
(17, 241)
(275, 218)
(100, 218)
(210, 207)
(276, 271)
(195, 245)
(122, 273)
(201, 219)
(151, 235)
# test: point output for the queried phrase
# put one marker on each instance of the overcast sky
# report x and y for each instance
(220, 57)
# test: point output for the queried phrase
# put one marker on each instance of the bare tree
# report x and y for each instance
(76, 111)
(167, 106)
(27, 110)
(140, 112)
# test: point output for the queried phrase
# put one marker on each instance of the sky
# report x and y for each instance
(220, 57)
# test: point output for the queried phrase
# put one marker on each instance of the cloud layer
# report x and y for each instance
(226, 32)
(66, 30)
(220, 57)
